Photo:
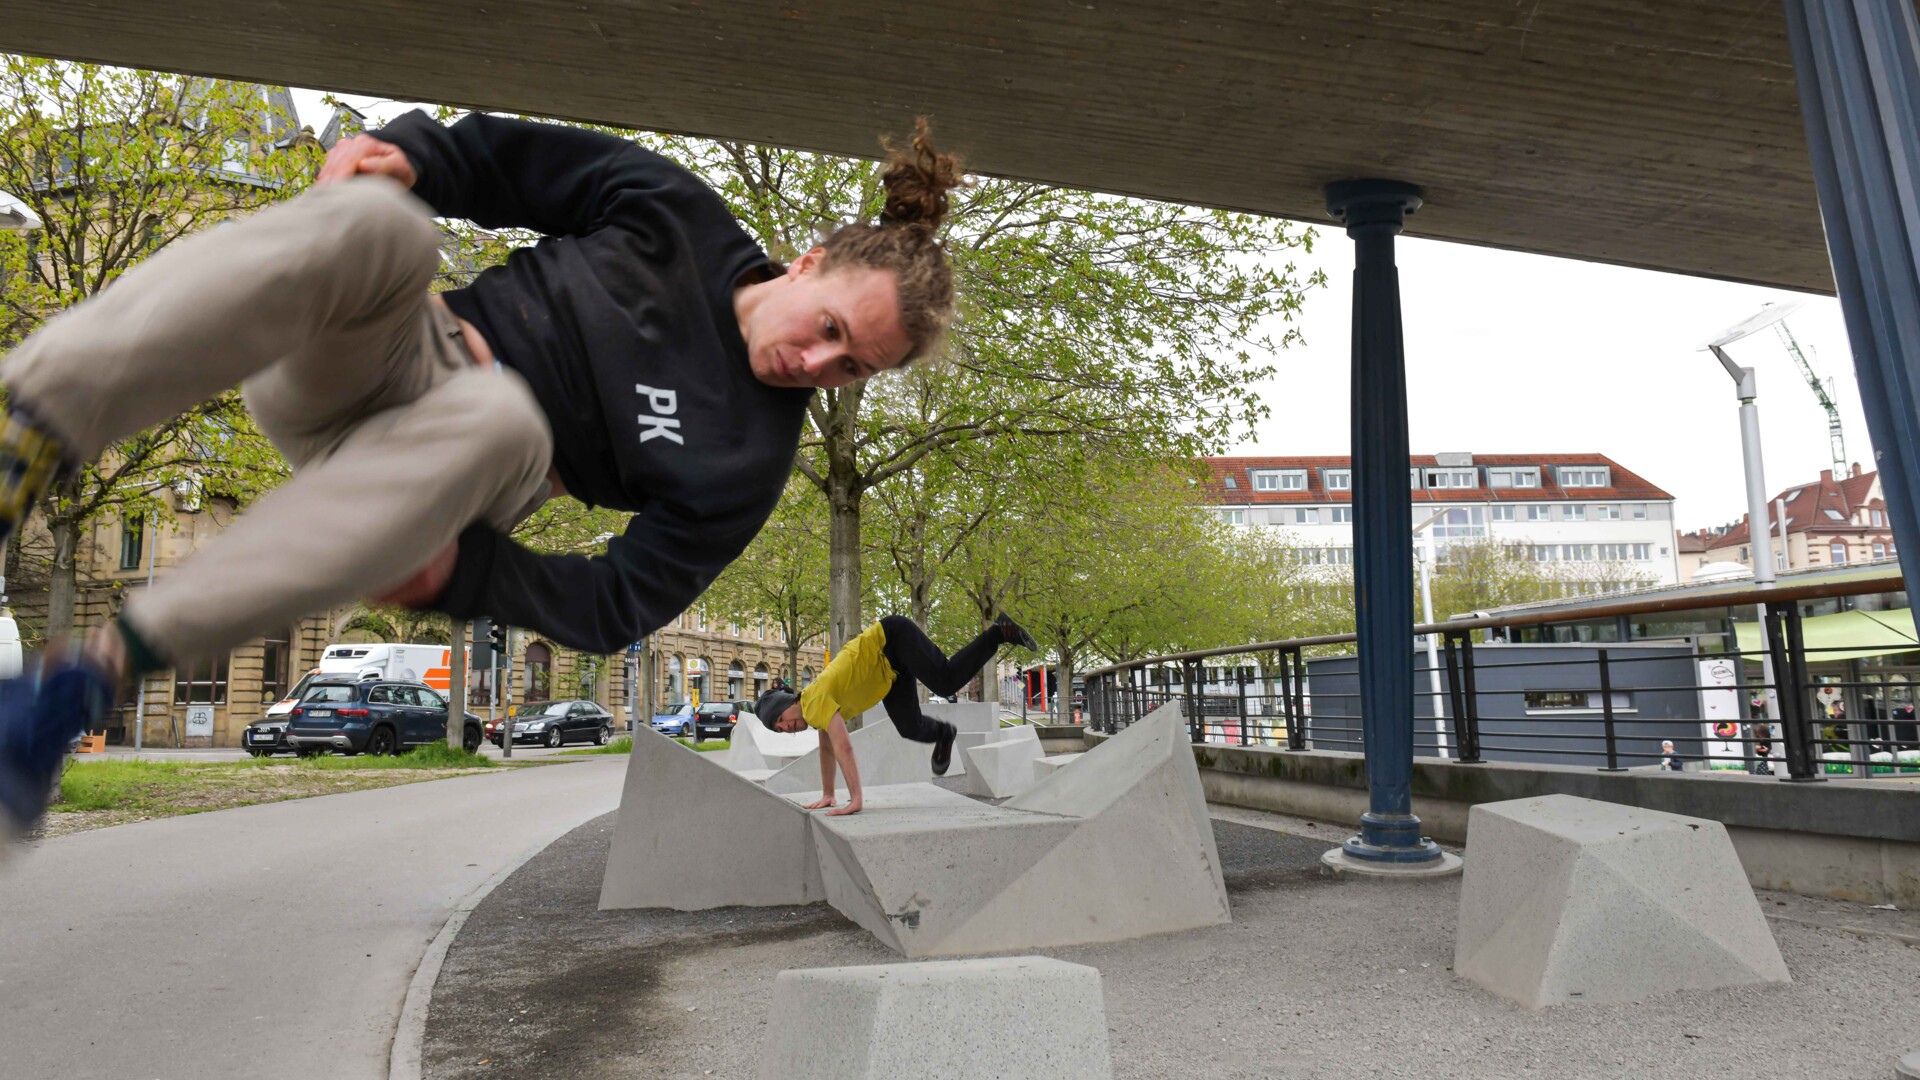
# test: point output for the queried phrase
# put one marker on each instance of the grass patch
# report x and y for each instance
(96, 794)
(621, 745)
(431, 756)
(707, 746)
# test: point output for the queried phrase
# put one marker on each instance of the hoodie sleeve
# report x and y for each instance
(597, 603)
(554, 179)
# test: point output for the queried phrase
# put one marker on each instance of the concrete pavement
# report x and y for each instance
(273, 940)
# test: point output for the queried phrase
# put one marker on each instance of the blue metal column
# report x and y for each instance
(1857, 63)
(1373, 211)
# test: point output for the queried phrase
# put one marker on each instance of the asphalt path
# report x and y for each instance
(266, 941)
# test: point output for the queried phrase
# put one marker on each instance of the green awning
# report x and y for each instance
(1849, 635)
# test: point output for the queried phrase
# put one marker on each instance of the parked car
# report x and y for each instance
(555, 723)
(371, 716)
(674, 720)
(715, 719)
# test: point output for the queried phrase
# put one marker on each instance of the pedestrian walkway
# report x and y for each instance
(268, 941)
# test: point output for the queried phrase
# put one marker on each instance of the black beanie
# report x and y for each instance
(773, 703)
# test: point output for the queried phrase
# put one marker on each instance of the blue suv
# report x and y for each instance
(371, 716)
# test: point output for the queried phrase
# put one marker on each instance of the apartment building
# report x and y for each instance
(1594, 521)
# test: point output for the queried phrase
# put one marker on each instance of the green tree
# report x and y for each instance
(118, 164)
(781, 581)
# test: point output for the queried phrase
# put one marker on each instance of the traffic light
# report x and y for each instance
(498, 635)
(489, 641)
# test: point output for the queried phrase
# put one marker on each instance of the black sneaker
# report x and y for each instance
(41, 716)
(31, 459)
(943, 749)
(1015, 633)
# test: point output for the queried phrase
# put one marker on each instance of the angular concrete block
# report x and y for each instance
(1005, 767)
(1011, 1018)
(756, 746)
(883, 755)
(693, 835)
(1053, 762)
(966, 715)
(1567, 899)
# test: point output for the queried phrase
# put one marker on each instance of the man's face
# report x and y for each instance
(813, 327)
(791, 720)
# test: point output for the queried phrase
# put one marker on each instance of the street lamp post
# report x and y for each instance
(1427, 555)
(1759, 531)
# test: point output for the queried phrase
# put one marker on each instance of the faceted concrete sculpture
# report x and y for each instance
(757, 746)
(693, 835)
(1004, 767)
(1054, 762)
(1567, 899)
(965, 715)
(884, 757)
(1011, 1018)
(1116, 847)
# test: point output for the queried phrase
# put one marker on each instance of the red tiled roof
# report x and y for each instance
(1806, 510)
(1626, 485)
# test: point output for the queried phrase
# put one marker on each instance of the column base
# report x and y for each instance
(1391, 845)
(1339, 862)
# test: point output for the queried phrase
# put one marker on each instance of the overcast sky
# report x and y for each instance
(1510, 353)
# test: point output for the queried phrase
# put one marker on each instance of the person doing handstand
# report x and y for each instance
(880, 667)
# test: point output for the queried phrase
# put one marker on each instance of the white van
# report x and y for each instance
(410, 663)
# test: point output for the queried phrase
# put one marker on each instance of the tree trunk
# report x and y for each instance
(843, 575)
(456, 687)
(1064, 679)
(60, 583)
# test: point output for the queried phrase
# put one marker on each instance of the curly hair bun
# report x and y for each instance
(917, 180)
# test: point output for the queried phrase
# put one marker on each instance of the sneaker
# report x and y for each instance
(31, 459)
(943, 749)
(1016, 633)
(40, 719)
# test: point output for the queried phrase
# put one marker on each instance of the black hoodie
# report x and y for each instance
(621, 319)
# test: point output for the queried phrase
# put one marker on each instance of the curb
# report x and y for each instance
(409, 1034)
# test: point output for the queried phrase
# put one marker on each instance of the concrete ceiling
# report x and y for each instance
(1653, 133)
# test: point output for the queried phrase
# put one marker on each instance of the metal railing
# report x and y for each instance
(1818, 714)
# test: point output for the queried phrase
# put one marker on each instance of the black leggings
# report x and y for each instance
(914, 657)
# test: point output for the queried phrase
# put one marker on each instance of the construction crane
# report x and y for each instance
(1821, 390)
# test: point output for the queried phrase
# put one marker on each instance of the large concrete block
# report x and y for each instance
(1053, 762)
(756, 746)
(693, 835)
(884, 757)
(1010, 1018)
(1005, 767)
(1568, 899)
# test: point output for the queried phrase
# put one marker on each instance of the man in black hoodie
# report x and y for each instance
(645, 355)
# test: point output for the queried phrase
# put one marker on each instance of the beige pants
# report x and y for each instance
(318, 308)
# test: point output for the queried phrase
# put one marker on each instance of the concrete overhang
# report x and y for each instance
(1659, 135)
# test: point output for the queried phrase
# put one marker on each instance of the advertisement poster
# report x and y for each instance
(1720, 708)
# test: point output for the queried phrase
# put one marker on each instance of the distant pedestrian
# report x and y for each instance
(1667, 758)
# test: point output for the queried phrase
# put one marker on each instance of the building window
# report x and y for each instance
(1835, 515)
(1576, 513)
(759, 679)
(276, 664)
(1502, 513)
(1280, 480)
(1514, 477)
(1879, 551)
(1879, 517)
(1337, 479)
(1452, 479)
(806, 677)
(1584, 476)
(736, 680)
(236, 156)
(1838, 551)
(1588, 700)
(1642, 552)
(1340, 556)
(1576, 552)
(133, 540)
(1639, 511)
(1542, 552)
(1461, 523)
(1743, 555)
(201, 684)
(1343, 515)
(1232, 484)
(1606, 512)
(539, 671)
(1306, 515)
(1234, 517)
(676, 684)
